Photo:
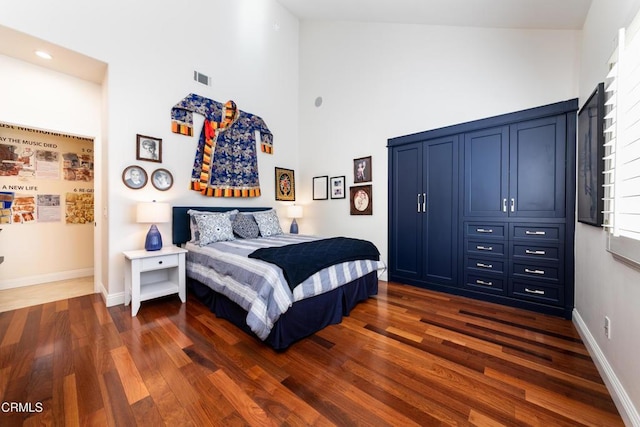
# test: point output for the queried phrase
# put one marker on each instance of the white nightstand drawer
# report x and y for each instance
(157, 262)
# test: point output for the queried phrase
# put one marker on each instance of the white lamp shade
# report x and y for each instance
(294, 211)
(153, 212)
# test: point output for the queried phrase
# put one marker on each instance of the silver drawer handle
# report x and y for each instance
(479, 264)
(535, 233)
(535, 291)
(526, 270)
(484, 248)
(482, 282)
(484, 230)
(530, 252)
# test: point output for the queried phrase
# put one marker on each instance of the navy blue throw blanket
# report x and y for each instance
(301, 260)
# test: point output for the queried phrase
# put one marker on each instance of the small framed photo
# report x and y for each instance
(134, 177)
(362, 170)
(148, 148)
(162, 179)
(285, 184)
(320, 187)
(336, 187)
(361, 200)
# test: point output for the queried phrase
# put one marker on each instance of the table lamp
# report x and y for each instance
(153, 213)
(294, 212)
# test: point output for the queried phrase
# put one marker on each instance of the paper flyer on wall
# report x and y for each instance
(23, 210)
(79, 208)
(49, 208)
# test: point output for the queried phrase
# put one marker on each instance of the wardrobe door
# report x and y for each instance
(537, 168)
(486, 173)
(406, 221)
(441, 210)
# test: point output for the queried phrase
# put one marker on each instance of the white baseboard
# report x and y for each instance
(628, 412)
(111, 299)
(45, 278)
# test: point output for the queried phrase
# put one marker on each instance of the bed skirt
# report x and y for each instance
(304, 317)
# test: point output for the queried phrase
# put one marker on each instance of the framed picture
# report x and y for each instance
(590, 163)
(285, 184)
(320, 187)
(134, 177)
(336, 187)
(361, 200)
(148, 148)
(162, 179)
(362, 170)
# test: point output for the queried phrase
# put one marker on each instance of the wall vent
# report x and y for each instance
(202, 78)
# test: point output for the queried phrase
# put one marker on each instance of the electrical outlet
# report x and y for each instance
(607, 327)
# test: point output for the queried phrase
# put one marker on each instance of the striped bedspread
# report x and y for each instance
(260, 287)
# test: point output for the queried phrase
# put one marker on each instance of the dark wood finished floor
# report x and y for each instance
(405, 357)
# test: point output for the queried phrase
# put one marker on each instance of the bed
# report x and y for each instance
(274, 303)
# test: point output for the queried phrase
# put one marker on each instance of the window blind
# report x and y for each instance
(622, 145)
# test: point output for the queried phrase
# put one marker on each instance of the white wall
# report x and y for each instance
(605, 286)
(380, 81)
(248, 47)
(37, 97)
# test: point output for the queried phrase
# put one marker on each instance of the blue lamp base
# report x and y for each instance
(154, 239)
(294, 227)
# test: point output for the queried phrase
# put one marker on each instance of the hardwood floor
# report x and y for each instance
(406, 357)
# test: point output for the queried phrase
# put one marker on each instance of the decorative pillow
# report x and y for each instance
(268, 223)
(245, 226)
(195, 233)
(216, 226)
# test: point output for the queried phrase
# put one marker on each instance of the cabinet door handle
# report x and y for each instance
(484, 230)
(160, 262)
(483, 265)
(418, 202)
(535, 233)
(424, 202)
(484, 248)
(482, 282)
(534, 291)
(513, 205)
(526, 270)
(530, 252)
(504, 205)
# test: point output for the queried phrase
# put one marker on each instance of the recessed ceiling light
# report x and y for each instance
(43, 54)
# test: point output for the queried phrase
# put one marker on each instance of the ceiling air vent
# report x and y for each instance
(202, 78)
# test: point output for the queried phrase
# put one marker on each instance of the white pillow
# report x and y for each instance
(268, 223)
(193, 225)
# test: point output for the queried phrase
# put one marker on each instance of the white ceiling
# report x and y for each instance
(528, 14)
(23, 46)
(532, 14)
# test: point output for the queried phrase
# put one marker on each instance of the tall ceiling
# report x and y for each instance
(527, 14)
(524, 14)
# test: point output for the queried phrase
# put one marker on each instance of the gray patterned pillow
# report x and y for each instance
(268, 223)
(193, 225)
(214, 227)
(245, 226)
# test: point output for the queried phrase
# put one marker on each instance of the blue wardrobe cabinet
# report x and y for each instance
(485, 209)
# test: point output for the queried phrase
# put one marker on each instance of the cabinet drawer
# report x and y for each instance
(485, 247)
(538, 231)
(536, 252)
(485, 283)
(536, 271)
(485, 230)
(537, 292)
(158, 262)
(479, 264)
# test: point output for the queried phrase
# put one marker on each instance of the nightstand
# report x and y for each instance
(154, 274)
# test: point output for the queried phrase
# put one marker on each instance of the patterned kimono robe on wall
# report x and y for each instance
(226, 164)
